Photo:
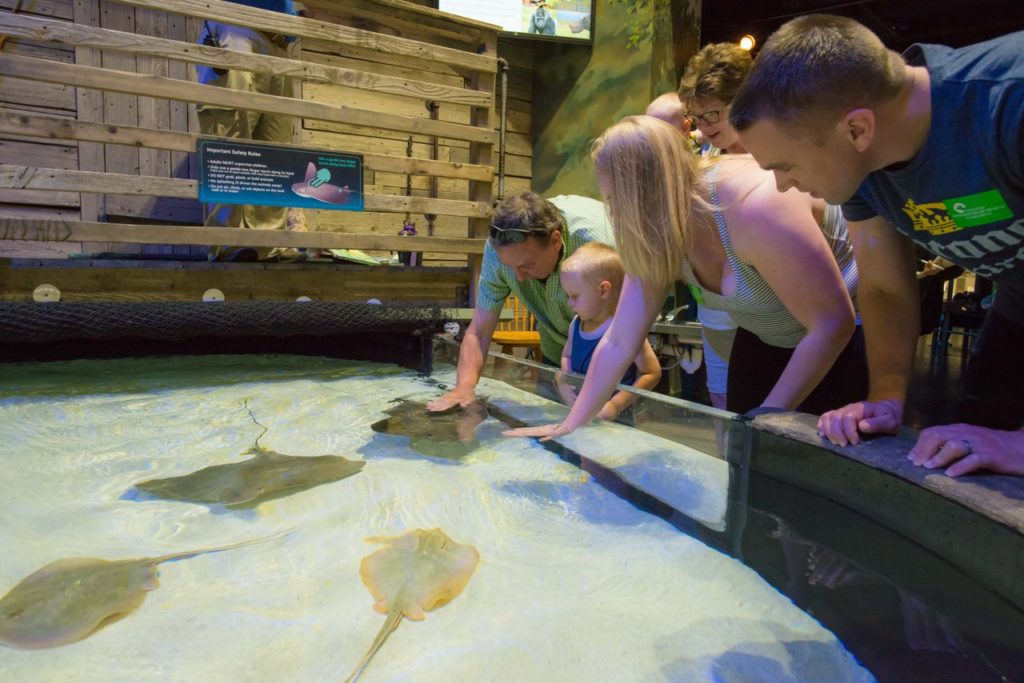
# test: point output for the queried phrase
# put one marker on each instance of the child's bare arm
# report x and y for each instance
(648, 375)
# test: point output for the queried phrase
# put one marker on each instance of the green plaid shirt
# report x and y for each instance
(586, 221)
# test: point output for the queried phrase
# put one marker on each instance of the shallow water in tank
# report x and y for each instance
(574, 583)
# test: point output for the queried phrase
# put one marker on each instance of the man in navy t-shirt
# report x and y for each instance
(925, 148)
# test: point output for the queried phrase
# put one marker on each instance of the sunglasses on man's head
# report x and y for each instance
(504, 236)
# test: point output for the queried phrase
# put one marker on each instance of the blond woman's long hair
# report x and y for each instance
(657, 195)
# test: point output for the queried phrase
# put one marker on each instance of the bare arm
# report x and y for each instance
(472, 353)
(565, 389)
(639, 304)
(648, 376)
(890, 306)
(890, 310)
(773, 232)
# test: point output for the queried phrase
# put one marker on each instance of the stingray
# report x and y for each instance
(69, 600)
(414, 573)
(246, 484)
(446, 434)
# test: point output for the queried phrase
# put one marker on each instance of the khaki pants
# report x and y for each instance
(248, 125)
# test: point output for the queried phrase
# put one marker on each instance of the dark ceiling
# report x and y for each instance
(898, 23)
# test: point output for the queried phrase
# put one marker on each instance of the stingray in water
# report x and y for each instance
(246, 484)
(414, 573)
(444, 434)
(69, 600)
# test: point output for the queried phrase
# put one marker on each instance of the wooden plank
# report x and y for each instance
(49, 179)
(89, 105)
(458, 152)
(47, 250)
(182, 115)
(309, 28)
(481, 154)
(519, 121)
(43, 213)
(518, 166)
(20, 92)
(370, 16)
(424, 14)
(119, 106)
(517, 143)
(59, 9)
(447, 207)
(426, 71)
(144, 43)
(156, 86)
(377, 101)
(29, 48)
(146, 281)
(348, 57)
(62, 128)
(80, 231)
(518, 53)
(48, 155)
(153, 113)
(169, 209)
(62, 199)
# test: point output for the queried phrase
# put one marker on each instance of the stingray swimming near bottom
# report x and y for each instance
(69, 600)
(414, 573)
(246, 484)
(445, 434)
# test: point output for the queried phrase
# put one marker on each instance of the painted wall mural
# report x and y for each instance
(579, 91)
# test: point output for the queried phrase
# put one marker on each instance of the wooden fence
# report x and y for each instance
(98, 131)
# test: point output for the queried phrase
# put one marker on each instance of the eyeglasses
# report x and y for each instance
(505, 236)
(709, 117)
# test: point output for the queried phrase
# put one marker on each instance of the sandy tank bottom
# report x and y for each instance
(574, 584)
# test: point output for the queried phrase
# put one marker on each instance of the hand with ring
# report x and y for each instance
(963, 448)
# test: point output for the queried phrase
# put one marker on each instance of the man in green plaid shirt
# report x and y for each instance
(529, 238)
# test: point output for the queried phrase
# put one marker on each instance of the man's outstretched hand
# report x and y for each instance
(455, 397)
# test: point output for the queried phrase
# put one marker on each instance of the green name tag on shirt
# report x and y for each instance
(978, 209)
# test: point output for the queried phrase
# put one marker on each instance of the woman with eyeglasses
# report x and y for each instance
(529, 239)
(712, 78)
(779, 262)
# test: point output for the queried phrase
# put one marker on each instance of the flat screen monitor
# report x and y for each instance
(569, 20)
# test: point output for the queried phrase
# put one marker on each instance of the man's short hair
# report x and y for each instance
(716, 71)
(814, 69)
(527, 211)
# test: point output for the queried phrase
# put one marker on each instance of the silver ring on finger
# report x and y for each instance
(967, 447)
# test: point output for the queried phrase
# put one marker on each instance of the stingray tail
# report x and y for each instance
(390, 624)
(170, 557)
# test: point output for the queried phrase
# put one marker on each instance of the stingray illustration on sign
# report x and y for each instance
(316, 185)
(270, 175)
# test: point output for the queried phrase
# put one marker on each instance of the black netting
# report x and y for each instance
(398, 334)
(52, 321)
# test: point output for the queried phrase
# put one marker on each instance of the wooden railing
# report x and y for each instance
(96, 125)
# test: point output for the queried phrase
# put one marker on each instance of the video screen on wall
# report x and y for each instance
(552, 19)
